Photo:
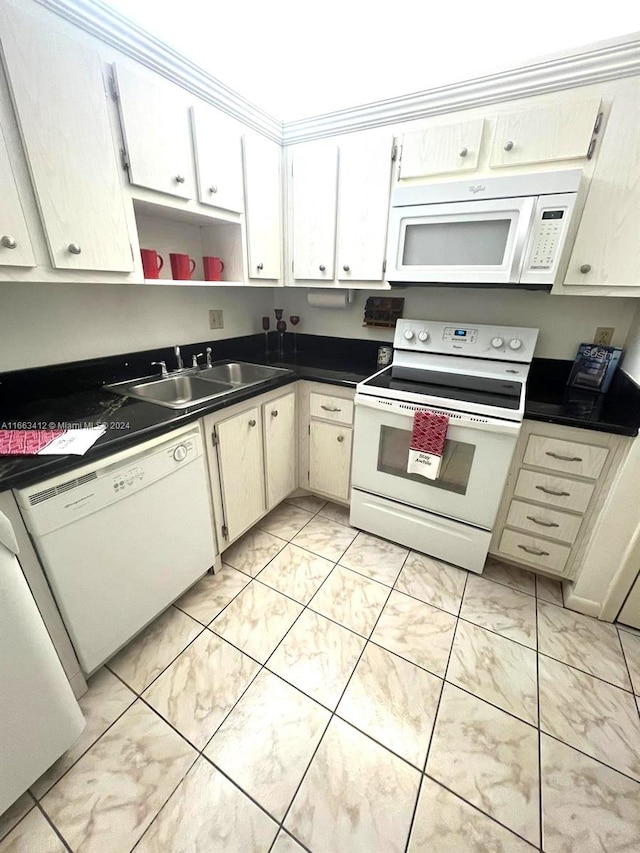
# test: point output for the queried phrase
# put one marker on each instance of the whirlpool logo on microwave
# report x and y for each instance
(477, 188)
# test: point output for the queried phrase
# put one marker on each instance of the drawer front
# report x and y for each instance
(554, 491)
(544, 521)
(539, 552)
(569, 457)
(331, 408)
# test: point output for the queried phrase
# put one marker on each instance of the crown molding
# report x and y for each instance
(605, 61)
(597, 63)
(108, 25)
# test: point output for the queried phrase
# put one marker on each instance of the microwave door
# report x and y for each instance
(466, 242)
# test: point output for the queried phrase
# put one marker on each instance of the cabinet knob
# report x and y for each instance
(252, 422)
(322, 268)
(74, 248)
(463, 152)
(260, 266)
(179, 179)
(585, 268)
(274, 413)
(508, 145)
(213, 189)
(341, 438)
(346, 267)
(8, 242)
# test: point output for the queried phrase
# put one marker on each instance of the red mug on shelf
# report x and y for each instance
(212, 269)
(152, 263)
(181, 267)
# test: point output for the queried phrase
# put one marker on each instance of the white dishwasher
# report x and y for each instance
(121, 539)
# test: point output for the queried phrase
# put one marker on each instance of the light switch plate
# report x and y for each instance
(216, 319)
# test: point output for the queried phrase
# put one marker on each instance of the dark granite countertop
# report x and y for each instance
(72, 394)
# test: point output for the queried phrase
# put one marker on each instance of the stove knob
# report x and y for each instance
(515, 343)
(497, 342)
(423, 336)
(180, 453)
(409, 335)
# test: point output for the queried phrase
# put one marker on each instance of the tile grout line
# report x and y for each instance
(540, 804)
(51, 824)
(628, 668)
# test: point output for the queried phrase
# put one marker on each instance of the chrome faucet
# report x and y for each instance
(194, 359)
(208, 351)
(163, 367)
(178, 357)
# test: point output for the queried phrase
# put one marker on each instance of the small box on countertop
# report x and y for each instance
(594, 367)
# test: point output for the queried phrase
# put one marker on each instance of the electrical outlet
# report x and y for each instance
(215, 320)
(603, 335)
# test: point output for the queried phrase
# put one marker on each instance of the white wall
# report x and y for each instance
(631, 363)
(564, 321)
(53, 323)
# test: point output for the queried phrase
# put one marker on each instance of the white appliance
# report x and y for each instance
(121, 539)
(477, 376)
(39, 716)
(505, 230)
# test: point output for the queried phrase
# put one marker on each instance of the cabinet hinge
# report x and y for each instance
(309, 429)
(394, 152)
(131, 249)
(113, 87)
(598, 124)
(124, 158)
(384, 267)
(225, 532)
(214, 437)
(292, 266)
(592, 148)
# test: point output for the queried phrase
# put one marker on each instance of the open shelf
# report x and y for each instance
(173, 282)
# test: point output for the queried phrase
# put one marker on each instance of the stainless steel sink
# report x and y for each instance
(174, 392)
(192, 387)
(240, 373)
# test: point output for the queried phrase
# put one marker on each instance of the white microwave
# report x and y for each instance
(495, 231)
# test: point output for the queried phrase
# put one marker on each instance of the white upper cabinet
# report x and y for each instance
(561, 131)
(15, 244)
(59, 96)
(441, 149)
(607, 247)
(155, 125)
(218, 153)
(363, 207)
(263, 213)
(315, 189)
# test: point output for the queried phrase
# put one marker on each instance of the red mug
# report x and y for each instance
(212, 269)
(181, 267)
(152, 263)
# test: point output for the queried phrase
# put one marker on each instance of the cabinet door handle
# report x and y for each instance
(340, 438)
(274, 413)
(213, 189)
(563, 458)
(463, 152)
(508, 145)
(585, 268)
(322, 268)
(330, 408)
(536, 551)
(554, 492)
(346, 267)
(179, 179)
(252, 422)
(74, 248)
(542, 523)
(8, 242)
(260, 266)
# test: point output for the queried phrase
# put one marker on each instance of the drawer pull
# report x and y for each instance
(331, 408)
(554, 492)
(542, 523)
(563, 458)
(536, 551)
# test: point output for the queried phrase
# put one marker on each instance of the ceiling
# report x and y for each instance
(295, 59)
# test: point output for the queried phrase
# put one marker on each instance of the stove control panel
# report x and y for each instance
(499, 343)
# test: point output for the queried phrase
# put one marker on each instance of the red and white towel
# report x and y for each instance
(48, 442)
(427, 444)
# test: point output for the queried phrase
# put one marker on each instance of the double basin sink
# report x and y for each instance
(199, 385)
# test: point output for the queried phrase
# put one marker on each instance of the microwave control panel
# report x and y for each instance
(546, 239)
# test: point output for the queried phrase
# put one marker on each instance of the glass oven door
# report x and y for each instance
(472, 475)
(467, 242)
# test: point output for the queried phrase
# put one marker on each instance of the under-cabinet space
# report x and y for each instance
(167, 233)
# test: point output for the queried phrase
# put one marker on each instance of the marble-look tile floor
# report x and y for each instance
(332, 692)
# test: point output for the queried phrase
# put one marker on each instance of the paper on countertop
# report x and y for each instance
(49, 442)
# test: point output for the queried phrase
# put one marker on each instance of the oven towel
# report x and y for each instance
(427, 444)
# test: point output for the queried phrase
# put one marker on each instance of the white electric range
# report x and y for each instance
(476, 374)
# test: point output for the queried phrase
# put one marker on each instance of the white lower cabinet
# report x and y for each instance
(330, 459)
(251, 451)
(557, 485)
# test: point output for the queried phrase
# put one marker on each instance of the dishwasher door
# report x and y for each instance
(122, 546)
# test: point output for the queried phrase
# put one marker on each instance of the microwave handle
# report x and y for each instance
(527, 209)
